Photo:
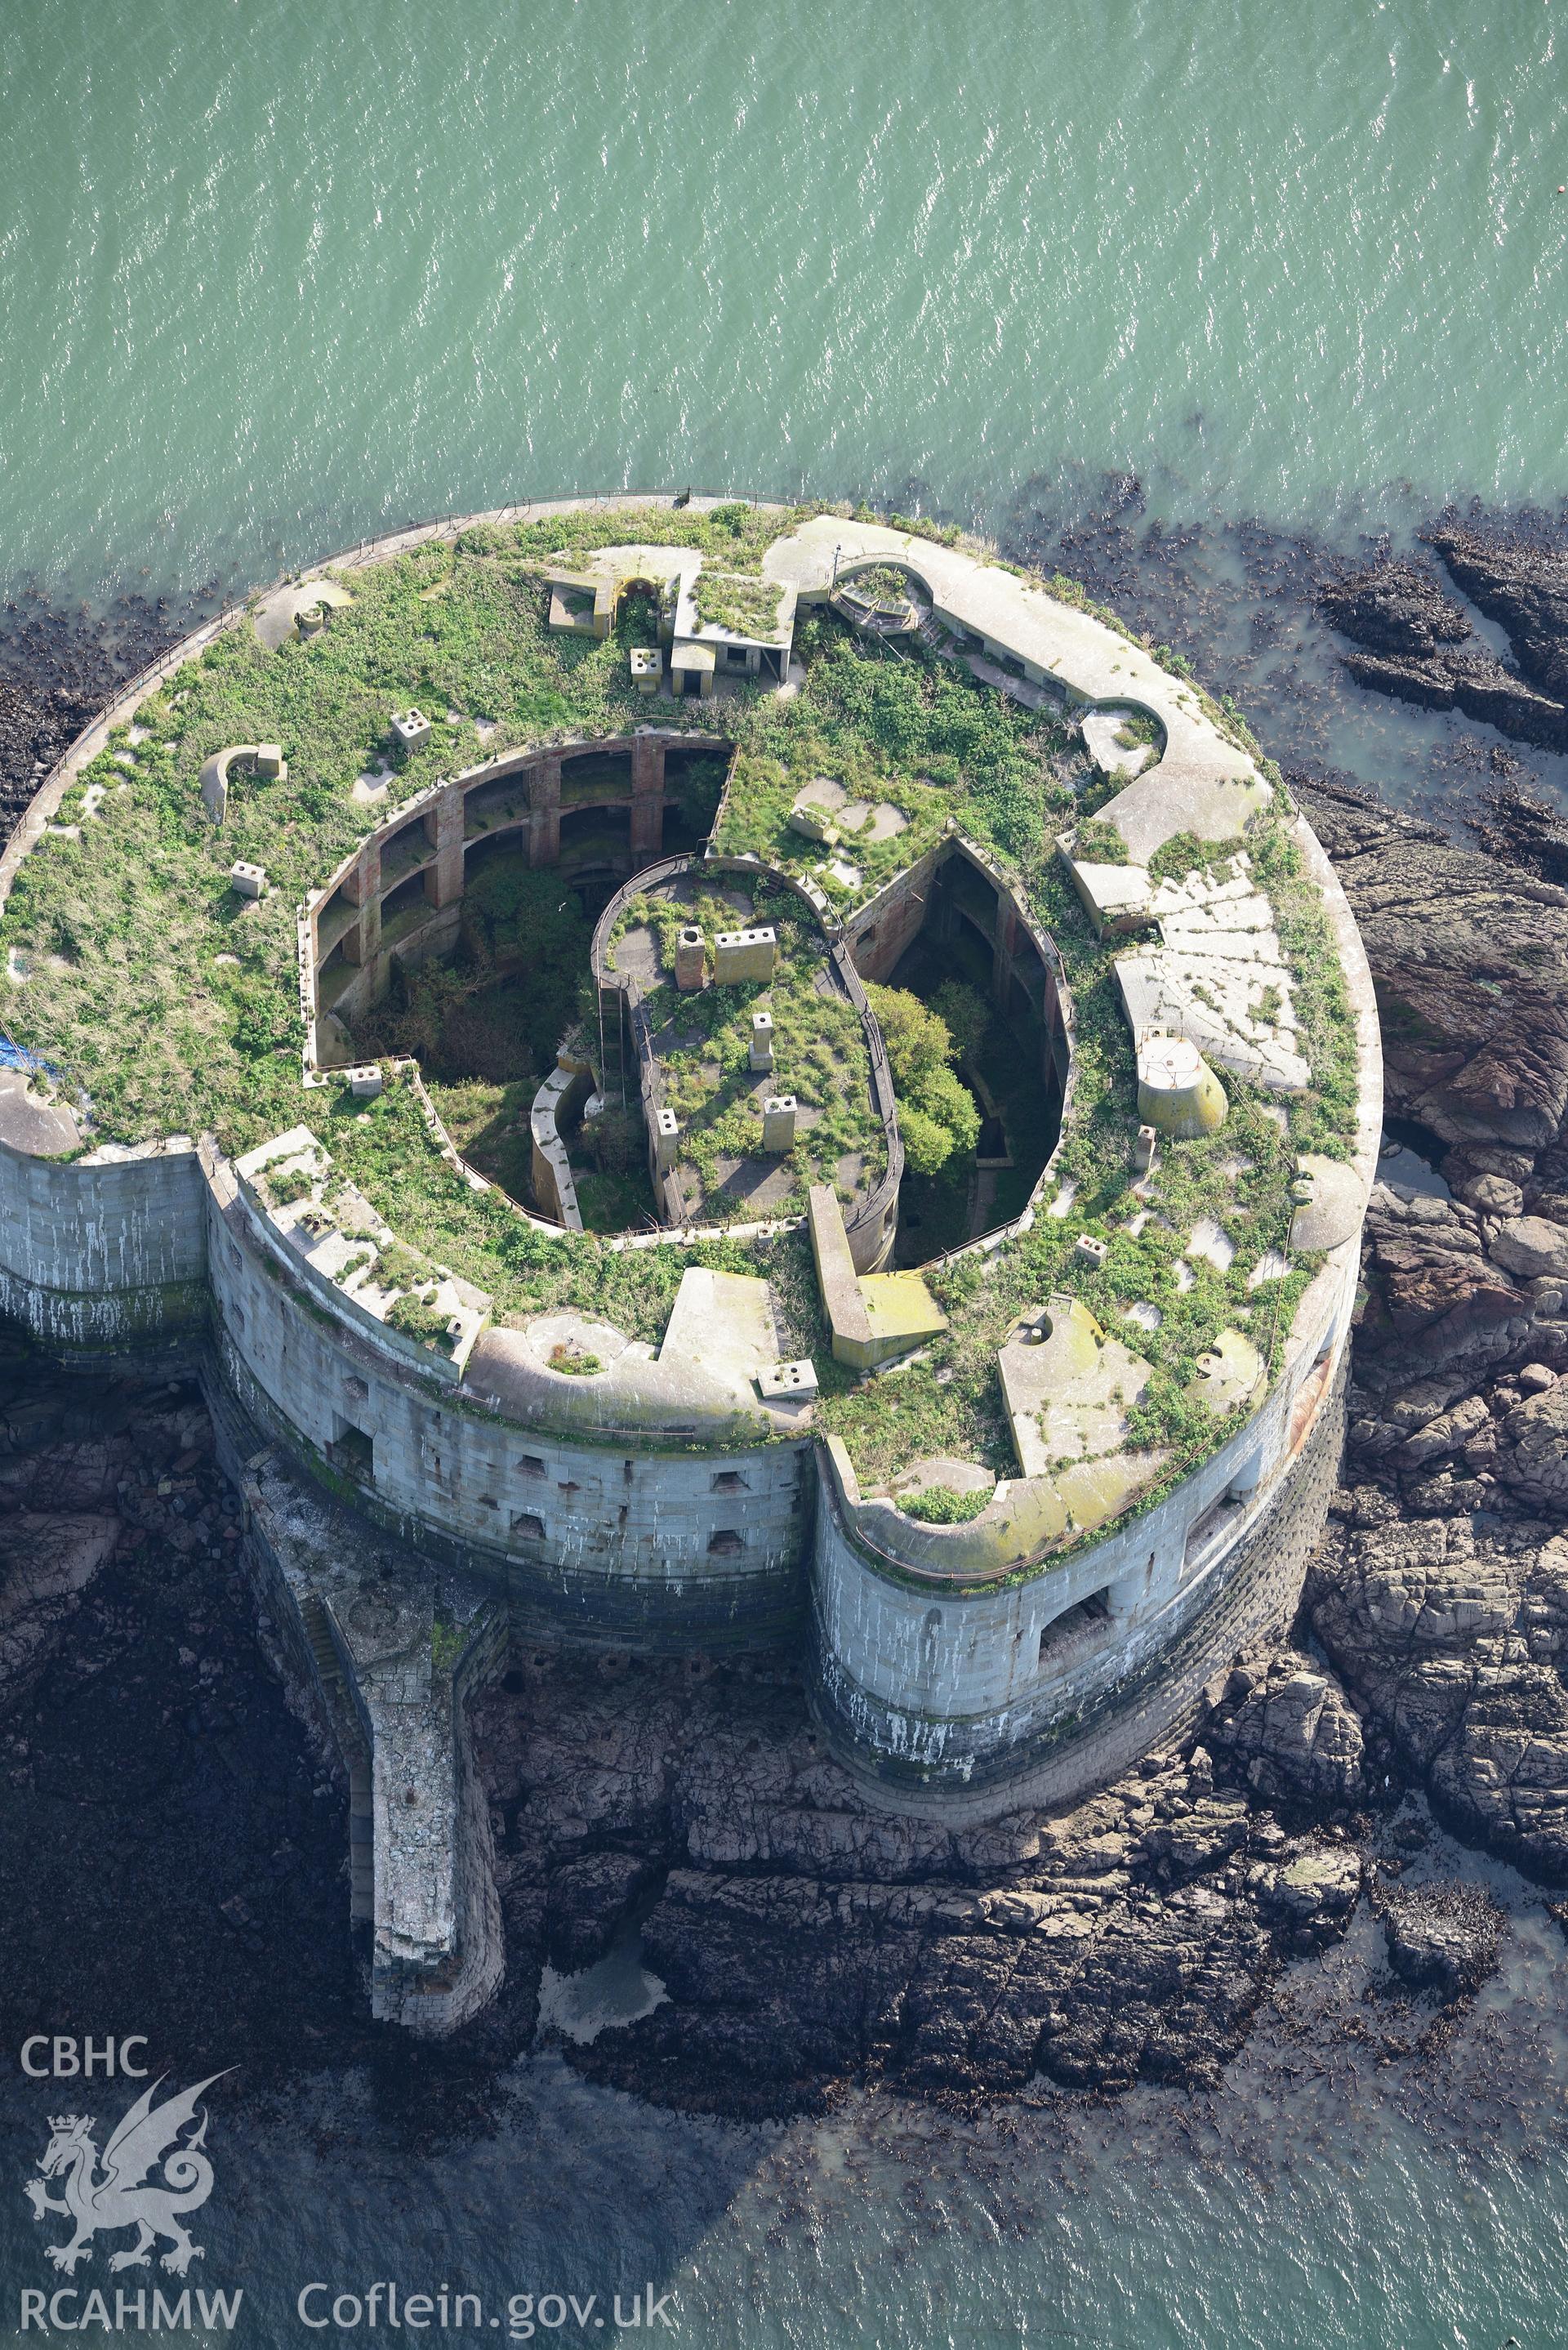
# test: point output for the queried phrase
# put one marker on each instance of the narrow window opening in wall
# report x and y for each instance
(624, 1512)
(525, 1524)
(238, 1314)
(1206, 1534)
(729, 1481)
(628, 1467)
(530, 1465)
(357, 1390)
(568, 1485)
(726, 1543)
(488, 1502)
(353, 1450)
(1074, 1626)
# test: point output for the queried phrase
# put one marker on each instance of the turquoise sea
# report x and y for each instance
(273, 275)
(276, 274)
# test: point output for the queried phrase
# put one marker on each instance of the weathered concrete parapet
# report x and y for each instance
(559, 1099)
(264, 759)
(106, 1252)
(873, 1318)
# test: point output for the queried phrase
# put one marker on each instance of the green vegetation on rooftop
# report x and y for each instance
(747, 608)
(174, 1006)
(703, 1042)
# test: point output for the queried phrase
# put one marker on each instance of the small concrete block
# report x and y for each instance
(247, 880)
(778, 1122)
(788, 1382)
(270, 762)
(647, 667)
(762, 1051)
(1144, 1149)
(1092, 1250)
(691, 959)
(813, 824)
(411, 728)
(744, 954)
(666, 1140)
(366, 1081)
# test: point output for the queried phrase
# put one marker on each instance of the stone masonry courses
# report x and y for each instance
(430, 1478)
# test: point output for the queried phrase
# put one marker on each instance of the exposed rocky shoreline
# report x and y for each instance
(183, 1849)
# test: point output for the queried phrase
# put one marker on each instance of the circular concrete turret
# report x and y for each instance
(1177, 1093)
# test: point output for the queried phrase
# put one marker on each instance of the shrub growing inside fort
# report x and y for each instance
(174, 1008)
(936, 1114)
(938, 1505)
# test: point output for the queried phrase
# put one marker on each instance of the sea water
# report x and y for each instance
(276, 274)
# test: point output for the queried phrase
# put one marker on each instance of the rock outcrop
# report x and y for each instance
(1522, 584)
(1442, 1938)
(1288, 1729)
(1415, 641)
(804, 1940)
(1452, 1632)
(1470, 958)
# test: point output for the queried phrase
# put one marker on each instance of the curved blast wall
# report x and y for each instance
(932, 1695)
(99, 1256)
(1053, 1682)
(608, 1541)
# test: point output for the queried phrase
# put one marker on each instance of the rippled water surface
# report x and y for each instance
(274, 273)
(1318, 2200)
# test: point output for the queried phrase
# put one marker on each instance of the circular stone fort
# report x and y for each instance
(697, 1078)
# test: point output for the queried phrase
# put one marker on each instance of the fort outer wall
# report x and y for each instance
(104, 1255)
(124, 1262)
(943, 1689)
(957, 1700)
(605, 1536)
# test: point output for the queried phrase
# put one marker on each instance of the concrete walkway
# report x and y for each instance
(1204, 783)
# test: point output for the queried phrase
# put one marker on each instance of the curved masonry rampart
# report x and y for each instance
(954, 1668)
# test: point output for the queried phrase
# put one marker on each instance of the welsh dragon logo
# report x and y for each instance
(123, 2196)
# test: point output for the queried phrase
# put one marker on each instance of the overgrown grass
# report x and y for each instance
(703, 1043)
(174, 1005)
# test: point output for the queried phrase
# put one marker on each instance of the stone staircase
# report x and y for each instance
(361, 1830)
(613, 1072)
